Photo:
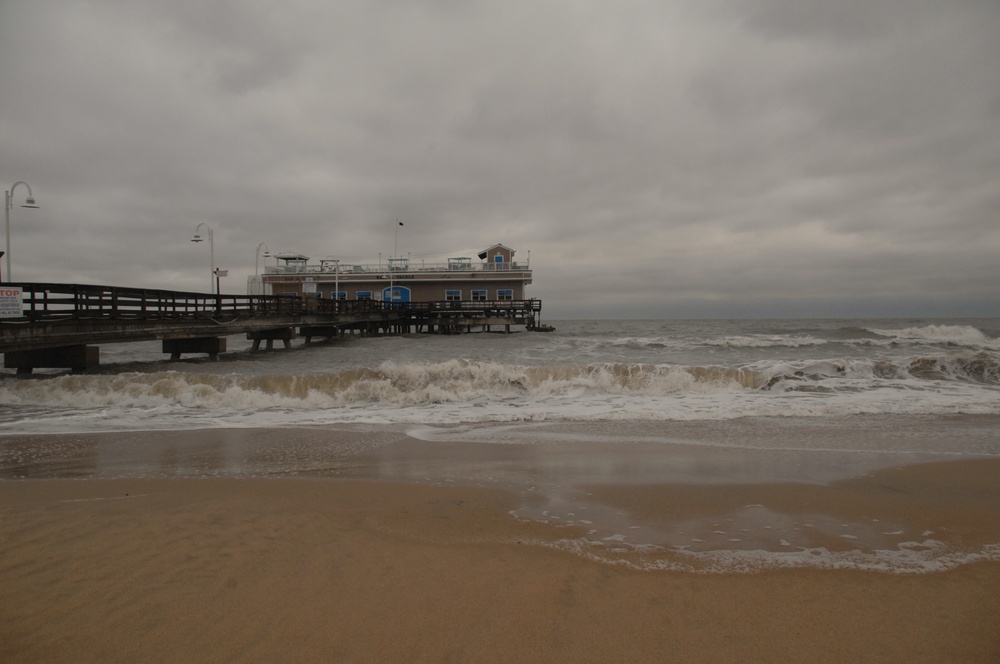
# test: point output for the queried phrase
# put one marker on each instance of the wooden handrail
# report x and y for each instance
(52, 301)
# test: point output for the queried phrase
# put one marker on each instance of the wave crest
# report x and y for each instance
(465, 381)
(950, 335)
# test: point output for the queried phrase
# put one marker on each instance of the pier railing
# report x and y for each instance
(61, 325)
(499, 307)
(47, 302)
(72, 301)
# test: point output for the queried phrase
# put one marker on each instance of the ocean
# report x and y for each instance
(584, 371)
(593, 402)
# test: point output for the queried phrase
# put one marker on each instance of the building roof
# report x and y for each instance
(485, 252)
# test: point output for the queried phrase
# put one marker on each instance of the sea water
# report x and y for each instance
(591, 402)
(583, 371)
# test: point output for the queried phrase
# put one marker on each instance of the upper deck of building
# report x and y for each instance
(495, 259)
(329, 266)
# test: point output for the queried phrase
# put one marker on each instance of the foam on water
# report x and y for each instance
(910, 558)
(955, 335)
(589, 371)
(460, 390)
(765, 341)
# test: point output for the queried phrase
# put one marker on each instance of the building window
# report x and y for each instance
(478, 296)
(339, 295)
(452, 296)
(313, 294)
(396, 294)
(505, 294)
(363, 295)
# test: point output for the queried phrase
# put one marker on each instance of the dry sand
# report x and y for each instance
(330, 570)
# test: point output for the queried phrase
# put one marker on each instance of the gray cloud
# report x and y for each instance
(684, 158)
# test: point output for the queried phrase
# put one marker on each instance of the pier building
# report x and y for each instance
(494, 275)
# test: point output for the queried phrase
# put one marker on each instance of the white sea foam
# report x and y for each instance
(958, 335)
(766, 341)
(463, 390)
(926, 558)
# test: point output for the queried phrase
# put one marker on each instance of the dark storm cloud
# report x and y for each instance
(683, 158)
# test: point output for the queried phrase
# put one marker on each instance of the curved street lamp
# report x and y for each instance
(29, 202)
(211, 254)
(336, 277)
(256, 285)
(258, 256)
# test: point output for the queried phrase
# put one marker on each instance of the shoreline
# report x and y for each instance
(633, 501)
(814, 449)
(313, 569)
(364, 544)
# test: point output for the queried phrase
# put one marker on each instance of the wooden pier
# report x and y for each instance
(61, 325)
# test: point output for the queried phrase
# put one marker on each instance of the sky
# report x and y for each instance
(654, 159)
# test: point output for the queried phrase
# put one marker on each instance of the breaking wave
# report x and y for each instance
(929, 336)
(453, 381)
(594, 371)
(949, 335)
(766, 341)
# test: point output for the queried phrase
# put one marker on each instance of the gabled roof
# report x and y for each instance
(486, 252)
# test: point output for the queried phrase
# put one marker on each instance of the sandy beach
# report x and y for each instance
(332, 569)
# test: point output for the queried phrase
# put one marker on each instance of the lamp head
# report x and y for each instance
(30, 203)
(266, 254)
(196, 238)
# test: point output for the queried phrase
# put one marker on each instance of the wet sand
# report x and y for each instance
(332, 569)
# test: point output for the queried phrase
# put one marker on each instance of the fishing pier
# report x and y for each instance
(45, 325)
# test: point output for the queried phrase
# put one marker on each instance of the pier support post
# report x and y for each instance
(77, 358)
(211, 345)
(283, 334)
(325, 331)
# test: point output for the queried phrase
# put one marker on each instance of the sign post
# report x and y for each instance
(11, 302)
(219, 273)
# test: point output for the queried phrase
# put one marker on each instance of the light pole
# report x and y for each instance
(330, 260)
(257, 287)
(211, 253)
(29, 202)
(336, 281)
(258, 256)
(393, 263)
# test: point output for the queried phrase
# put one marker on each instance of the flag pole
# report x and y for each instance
(395, 241)
(395, 245)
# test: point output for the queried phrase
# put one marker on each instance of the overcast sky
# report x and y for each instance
(662, 158)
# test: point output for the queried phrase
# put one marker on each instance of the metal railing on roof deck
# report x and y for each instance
(330, 267)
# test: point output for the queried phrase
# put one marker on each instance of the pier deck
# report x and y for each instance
(60, 324)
